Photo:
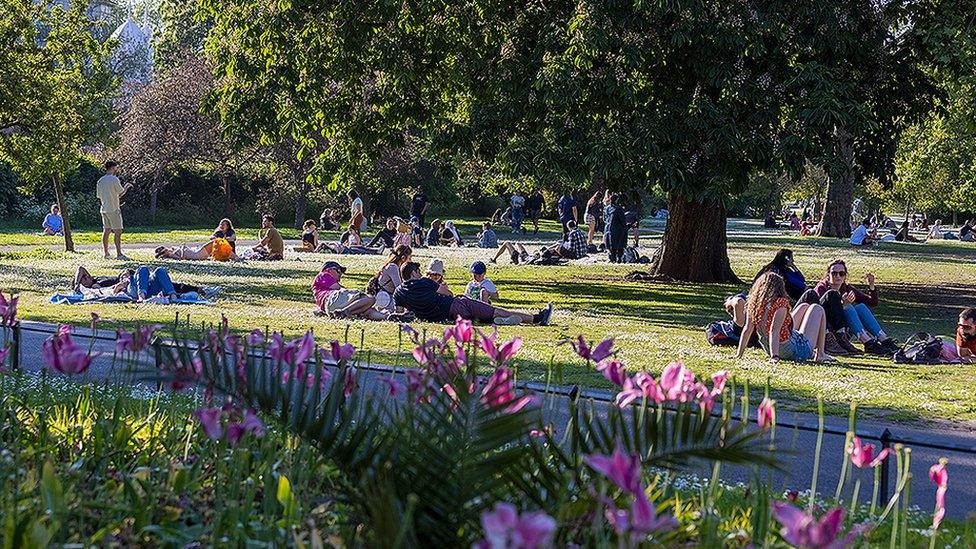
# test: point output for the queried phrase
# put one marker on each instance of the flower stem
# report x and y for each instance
(816, 456)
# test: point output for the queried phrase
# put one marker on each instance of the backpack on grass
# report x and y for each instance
(921, 348)
(726, 333)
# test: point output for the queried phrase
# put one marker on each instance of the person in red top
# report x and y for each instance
(966, 335)
(768, 314)
(849, 309)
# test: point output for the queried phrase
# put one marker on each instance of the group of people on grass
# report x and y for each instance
(402, 291)
(821, 321)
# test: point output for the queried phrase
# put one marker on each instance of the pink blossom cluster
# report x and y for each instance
(135, 341)
(504, 528)
(229, 422)
(62, 354)
(805, 531)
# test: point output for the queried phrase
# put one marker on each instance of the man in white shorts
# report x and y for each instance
(110, 190)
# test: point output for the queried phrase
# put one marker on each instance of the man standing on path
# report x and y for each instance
(567, 211)
(418, 206)
(110, 190)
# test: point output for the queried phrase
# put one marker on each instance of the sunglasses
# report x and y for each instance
(838, 273)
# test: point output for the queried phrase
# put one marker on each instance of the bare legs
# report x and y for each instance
(503, 313)
(592, 233)
(82, 278)
(105, 235)
(362, 307)
(511, 248)
(811, 321)
(193, 255)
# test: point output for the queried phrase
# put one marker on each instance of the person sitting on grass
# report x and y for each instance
(768, 314)
(53, 222)
(966, 335)
(487, 239)
(338, 302)
(450, 235)
(225, 230)
(861, 236)
(326, 223)
(794, 221)
(480, 287)
(935, 232)
(310, 237)
(782, 264)
(271, 246)
(848, 309)
(433, 236)
(387, 279)
(573, 247)
(426, 298)
(386, 235)
(352, 246)
(904, 234)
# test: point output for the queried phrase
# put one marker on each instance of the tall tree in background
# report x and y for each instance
(55, 91)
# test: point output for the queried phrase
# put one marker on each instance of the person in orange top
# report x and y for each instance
(768, 313)
(966, 335)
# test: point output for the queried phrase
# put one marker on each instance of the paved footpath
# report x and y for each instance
(796, 446)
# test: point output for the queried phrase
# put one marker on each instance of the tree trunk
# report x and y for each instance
(840, 190)
(228, 205)
(694, 247)
(301, 204)
(69, 243)
(154, 192)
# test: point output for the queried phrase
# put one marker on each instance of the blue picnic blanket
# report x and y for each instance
(76, 298)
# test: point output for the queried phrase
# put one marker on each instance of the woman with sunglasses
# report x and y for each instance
(849, 309)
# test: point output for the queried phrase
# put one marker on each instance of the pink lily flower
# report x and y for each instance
(462, 331)
(349, 382)
(135, 341)
(255, 338)
(62, 354)
(613, 370)
(673, 381)
(394, 386)
(719, 379)
(500, 390)
(623, 469)
(629, 393)
(4, 354)
(210, 421)
(597, 353)
(862, 456)
(95, 319)
(299, 350)
(342, 352)
(8, 309)
(251, 424)
(807, 532)
(504, 528)
(410, 331)
(649, 386)
(502, 354)
(766, 413)
(940, 476)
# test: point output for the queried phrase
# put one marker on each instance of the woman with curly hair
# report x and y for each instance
(796, 335)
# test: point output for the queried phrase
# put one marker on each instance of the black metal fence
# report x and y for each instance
(886, 438)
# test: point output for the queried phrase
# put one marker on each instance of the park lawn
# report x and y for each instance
(922, 288)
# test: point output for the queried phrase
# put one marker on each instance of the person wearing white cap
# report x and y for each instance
(431, 300)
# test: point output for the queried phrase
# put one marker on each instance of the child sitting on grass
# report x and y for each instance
(480, 288)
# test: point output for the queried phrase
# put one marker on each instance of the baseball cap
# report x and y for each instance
(479, 268)
(436, 267)
(333, 265)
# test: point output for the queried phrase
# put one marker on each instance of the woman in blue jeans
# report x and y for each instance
(849, 309)
(144, 284)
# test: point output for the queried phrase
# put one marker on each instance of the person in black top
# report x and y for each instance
(616, 229)
(433, 237)
(386, 234)
(418, 206)
(966, 232)
(533, 209)
(225, 230)
(326, 223)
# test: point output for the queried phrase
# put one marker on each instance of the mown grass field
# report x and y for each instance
(922, 287)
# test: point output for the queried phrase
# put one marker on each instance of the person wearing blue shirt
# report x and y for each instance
(53, 222)
(567, 212)
(860, 236)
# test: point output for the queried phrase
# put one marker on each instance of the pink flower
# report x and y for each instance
(504, 528)
(251, 424)
(135, 341)
(613, 370)
(940, 476)
(299, 350)
(462, 331)
(673, 381)
(342, 352)
(718, 382)
(210, 421)
(766, 413)
(62, 354)
(806, 532)
(863, 456)
(623, 469)
(644, 519)
(500, 391)
(499, 355)
(394, 386)
(597, 354)
(649, 387)
(410, 331)
(349, 382)
(628, 393)
(4, 353)
(8, 309)
(95, 319)
(255, 338)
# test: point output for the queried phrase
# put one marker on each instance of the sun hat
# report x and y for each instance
(333, 265)
(479, 268)
(436, 267)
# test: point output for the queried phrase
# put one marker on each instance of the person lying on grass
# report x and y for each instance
(849, 309)
(218, 249)
(352, 246)
(574, 247)
(768, 313)
(966, 335)
(139, 284)
(338, 302)
(426, 298)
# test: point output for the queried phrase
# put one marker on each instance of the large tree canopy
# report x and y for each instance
(55, 90)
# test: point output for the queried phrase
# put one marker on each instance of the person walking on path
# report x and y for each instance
(518, 212)
(109, 190)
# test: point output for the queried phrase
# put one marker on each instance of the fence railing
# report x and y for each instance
(886, 438)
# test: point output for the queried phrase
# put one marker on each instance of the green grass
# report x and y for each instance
(922, 288)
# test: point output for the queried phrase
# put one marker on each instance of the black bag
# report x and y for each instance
(631, 255)
(921, 348)
(373, 286)
(726, 333)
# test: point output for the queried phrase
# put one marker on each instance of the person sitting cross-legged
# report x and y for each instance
(338, 302)
(430, 300)
(53, 222)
